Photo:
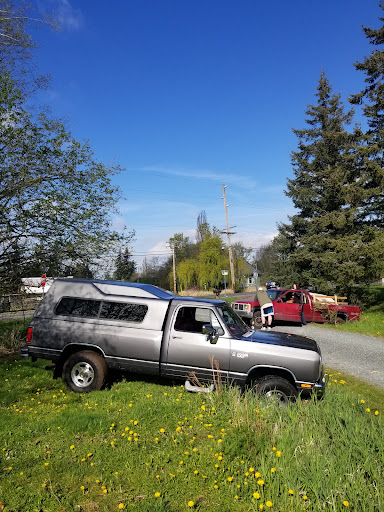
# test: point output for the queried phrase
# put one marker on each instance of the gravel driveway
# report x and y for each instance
(356, 354)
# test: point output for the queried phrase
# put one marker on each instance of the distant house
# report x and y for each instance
(253, 276)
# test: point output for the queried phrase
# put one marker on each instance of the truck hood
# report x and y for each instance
(282, 339)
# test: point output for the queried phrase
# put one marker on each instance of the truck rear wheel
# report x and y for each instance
(256, 319)
(84, 372)
(276, 389)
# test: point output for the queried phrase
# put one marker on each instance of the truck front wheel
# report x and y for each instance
(276, 389)
(256, 319)
(84, 372)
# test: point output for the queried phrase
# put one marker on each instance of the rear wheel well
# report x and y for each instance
(68, 351)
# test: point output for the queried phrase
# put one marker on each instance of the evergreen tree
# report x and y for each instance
(125, 265)
(372, 101)
(332, 243)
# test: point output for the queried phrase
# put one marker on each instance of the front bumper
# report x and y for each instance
(319, 387)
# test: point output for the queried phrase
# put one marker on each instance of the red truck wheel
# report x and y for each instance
(256, 319)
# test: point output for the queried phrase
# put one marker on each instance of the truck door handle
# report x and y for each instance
(176, 337)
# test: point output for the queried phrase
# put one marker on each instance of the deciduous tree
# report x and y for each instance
(53, 192)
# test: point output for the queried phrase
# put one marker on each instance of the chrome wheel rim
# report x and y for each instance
(82, 374)
(277, 396)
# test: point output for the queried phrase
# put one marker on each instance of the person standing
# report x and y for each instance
(266, 308)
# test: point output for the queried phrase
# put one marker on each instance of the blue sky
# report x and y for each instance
(189, 95)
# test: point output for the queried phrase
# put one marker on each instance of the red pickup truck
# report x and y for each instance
(289, 305)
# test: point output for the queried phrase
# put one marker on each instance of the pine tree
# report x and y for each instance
(125, 265)
(372, 101)
(334, 245)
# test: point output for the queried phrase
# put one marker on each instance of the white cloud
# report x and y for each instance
(62, 11)
(239, 179)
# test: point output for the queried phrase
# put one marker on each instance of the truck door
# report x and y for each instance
(288, 306)
(189, 350)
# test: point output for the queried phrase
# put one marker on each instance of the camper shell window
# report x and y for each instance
(88, 308)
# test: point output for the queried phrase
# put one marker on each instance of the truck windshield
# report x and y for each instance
(234, 323)
(272, 294)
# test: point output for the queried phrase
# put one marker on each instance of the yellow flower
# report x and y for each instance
(305, 497)
(191, 503)
(260, 482)
(278, 454)
(257, 474)
(162, 430)
(256, 495)
(376, 413)
(157, 494)
(367, 409)
(72, 447)
(82, 487)
(346, 503)
(273, 470)
(269, 504)
(229, 479)
(290, 492)
(196, 472)
(251, 470)
(121, 506)
(261, 506)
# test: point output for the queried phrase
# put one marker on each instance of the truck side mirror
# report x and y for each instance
(211, 333)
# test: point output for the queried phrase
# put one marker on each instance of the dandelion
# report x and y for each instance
(261, 506)
(260, 482)
(305, 497)
(367, 409)
(72, 447)
(191, 503)
(257, 474)
(82, 488)
(251, 470)
(269, 504)
(346, 503)
(290, 492)
(196, 472)
(229, 479)
(121, 506)
(278, 454)
(162, 430)
(273, 470)
(376, 413)
(256, 495)
(157, 494)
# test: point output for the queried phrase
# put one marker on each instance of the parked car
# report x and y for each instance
(87, 327)
(289, 305)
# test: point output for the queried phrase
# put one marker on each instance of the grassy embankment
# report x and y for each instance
(151, 446)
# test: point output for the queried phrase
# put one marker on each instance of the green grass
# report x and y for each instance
(13, 334)
(370, 323)
(151, 446)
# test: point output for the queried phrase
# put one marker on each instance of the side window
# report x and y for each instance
(123, 311)
(288, 297)
(70, 306)
(192, 319)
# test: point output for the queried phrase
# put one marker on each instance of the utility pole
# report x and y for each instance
(229, 241)
(174, 267)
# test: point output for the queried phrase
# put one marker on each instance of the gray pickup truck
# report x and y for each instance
(89, 326)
